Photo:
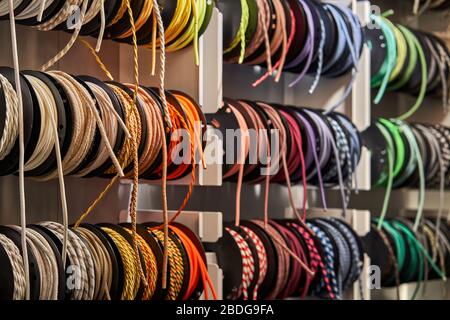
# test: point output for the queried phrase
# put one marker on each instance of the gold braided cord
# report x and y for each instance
(141, 20)
(154, 37)
(151, 267)
(135, 140)
(97, 59)
(131, 277)
(176, 266)
(130, 122)
(96, 202)
(120, 13)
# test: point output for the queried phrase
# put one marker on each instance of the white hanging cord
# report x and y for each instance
(41, 11)
(72, 40)
(23, 218)
(102, 27)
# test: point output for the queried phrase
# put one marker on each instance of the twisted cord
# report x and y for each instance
(17, 266)
(23, 218)
(10, 130)
(72, 40)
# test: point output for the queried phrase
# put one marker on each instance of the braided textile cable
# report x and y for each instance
(72, 40)
(162, 57)
(240, 37)
(320, 65)
(153, 119)
(103, 264)
(344, 158)
(445, 85)
(424, 72)
(41, 10)
(388, 245)
(329, 260)
(277, 65)
(437, 252)
(135, 140)
(407, 131)
(248, 264)
(278, 124)
(337, 145)
(131, 278)
(357, 264)
(442, 170)
(176, 266)
(125, 153)
(102, 26)
(97, 59)
(18, 86)
(316, 260)
(284, 45)
(150, 266)
(4, 6)
(390, 163)
(343, 255)
(47, 106)
(81, 260)
(157, 18)
(16, 261)
(442, 68)
(93, 112)
(83, 124)
(11, 126)
(111, 121)
(282, 254)
(262, 258)
(162, 95)
(31, 10)
(46, 260)
(62, 15)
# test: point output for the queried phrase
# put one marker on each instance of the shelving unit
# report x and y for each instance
(206, 83)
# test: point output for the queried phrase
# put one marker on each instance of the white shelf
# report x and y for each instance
(216, 275)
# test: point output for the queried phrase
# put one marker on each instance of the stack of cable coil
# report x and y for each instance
(303, 37)
(406, 255)
(304, 145)
(93, 124)
(256, 263)
(408, 60)
(101, 264)
(184, 21)
(409, 155)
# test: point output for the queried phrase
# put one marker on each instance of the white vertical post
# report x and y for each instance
(361, 98)
(361, 224)
(211, 65)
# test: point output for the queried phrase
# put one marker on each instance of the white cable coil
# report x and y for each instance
(16, 261)
(82, 264)
(47, 264)
(11, 127)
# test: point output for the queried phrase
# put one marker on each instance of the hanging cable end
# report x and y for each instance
(387, 13)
